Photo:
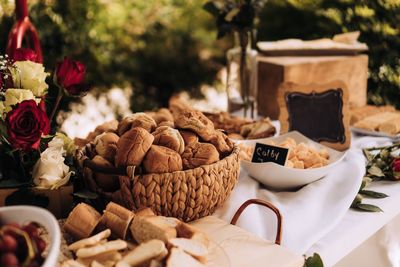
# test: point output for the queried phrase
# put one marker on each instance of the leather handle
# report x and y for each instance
(266, 204)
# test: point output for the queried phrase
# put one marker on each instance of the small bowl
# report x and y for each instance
(279, 177)
(26, 214)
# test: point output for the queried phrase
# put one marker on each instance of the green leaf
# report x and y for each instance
(86, 194)
(211, 8)
(231, 14)
(367, 207)
(375, 171)
(373, 194)
(356, 200)
(314, 261)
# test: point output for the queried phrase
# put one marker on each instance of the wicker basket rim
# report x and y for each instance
(124, 171)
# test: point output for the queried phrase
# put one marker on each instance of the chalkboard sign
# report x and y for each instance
(317, 115)
(318, 111)
(267, 153)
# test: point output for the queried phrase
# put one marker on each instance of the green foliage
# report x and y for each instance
(156, 46)
(378, 21)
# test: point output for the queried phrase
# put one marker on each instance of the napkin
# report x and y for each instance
(308, 213)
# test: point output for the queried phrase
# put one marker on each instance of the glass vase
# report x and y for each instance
(241, 79)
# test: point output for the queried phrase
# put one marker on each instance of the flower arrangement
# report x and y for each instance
(31, 154)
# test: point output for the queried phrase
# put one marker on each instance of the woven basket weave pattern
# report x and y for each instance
(187, 195)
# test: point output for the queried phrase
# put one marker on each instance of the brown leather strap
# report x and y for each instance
(278, 238)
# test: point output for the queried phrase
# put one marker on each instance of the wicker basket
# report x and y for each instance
(187, 195)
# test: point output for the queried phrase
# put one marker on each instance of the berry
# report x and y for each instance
(9, 260)
(8, 244)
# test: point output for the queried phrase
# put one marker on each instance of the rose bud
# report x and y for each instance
(70, 75)
(396, 169)
(24, 54)
(26, 123)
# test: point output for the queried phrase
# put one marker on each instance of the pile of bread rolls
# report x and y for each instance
(158, 142)
(138, 239)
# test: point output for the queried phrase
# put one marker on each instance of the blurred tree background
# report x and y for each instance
(159, 47)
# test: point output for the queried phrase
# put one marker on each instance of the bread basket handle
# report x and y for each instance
(278, 238)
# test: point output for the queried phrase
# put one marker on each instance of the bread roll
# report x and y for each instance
(169, 137)
(195, 121)
(167, 123)
(189, 137)
(161, 159)
(139, 119)
(117, 219)
(198, 154)
(81, 221)
(163, 114)
(107, 182)
(132, 147)
(222, 142)
(106, 145)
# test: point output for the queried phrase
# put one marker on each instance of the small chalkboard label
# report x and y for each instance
(267, 153)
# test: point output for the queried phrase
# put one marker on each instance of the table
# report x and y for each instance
(345, 243)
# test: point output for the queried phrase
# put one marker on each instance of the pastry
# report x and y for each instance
(360, 113)
(161, 159)
(259, 129)
(189, 137)
(81, 221)
(222, 142)
(372, 122)
(169, 137)
(227, 122)
(132, 147)
(391, 127)
(197, 154)
(195, 121)
(117, 219)
(163, 114)
(106, 145)
(107, 182)
(139, 119)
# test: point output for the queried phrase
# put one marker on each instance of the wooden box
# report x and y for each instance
(59, 200)
(273, 71)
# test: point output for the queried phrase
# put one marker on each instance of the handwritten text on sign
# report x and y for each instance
(267, 153)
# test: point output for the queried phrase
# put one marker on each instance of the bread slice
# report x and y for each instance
(190, 246)
(185, 230)
(144, 228)
(144, 253)
(178, 258)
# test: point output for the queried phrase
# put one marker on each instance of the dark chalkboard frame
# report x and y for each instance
(340, 139)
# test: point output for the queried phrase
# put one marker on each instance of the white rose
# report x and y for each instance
(30, 75)
(58, 143)
(14, 96)
(50, 171)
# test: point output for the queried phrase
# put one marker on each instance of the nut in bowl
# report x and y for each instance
(309, 161)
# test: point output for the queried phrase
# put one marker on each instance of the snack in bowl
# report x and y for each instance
(300, 156)
(307, 161)
(157, 241)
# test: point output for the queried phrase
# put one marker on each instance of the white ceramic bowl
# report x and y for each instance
(280, 177)
(26, 214)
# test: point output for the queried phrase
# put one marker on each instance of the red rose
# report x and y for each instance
(396, 168)
(26, 124)
(23, 54)
(70, 75)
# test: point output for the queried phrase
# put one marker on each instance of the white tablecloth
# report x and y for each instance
(311, 213)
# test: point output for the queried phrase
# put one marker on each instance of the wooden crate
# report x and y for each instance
(273, 71)
(60, 200)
